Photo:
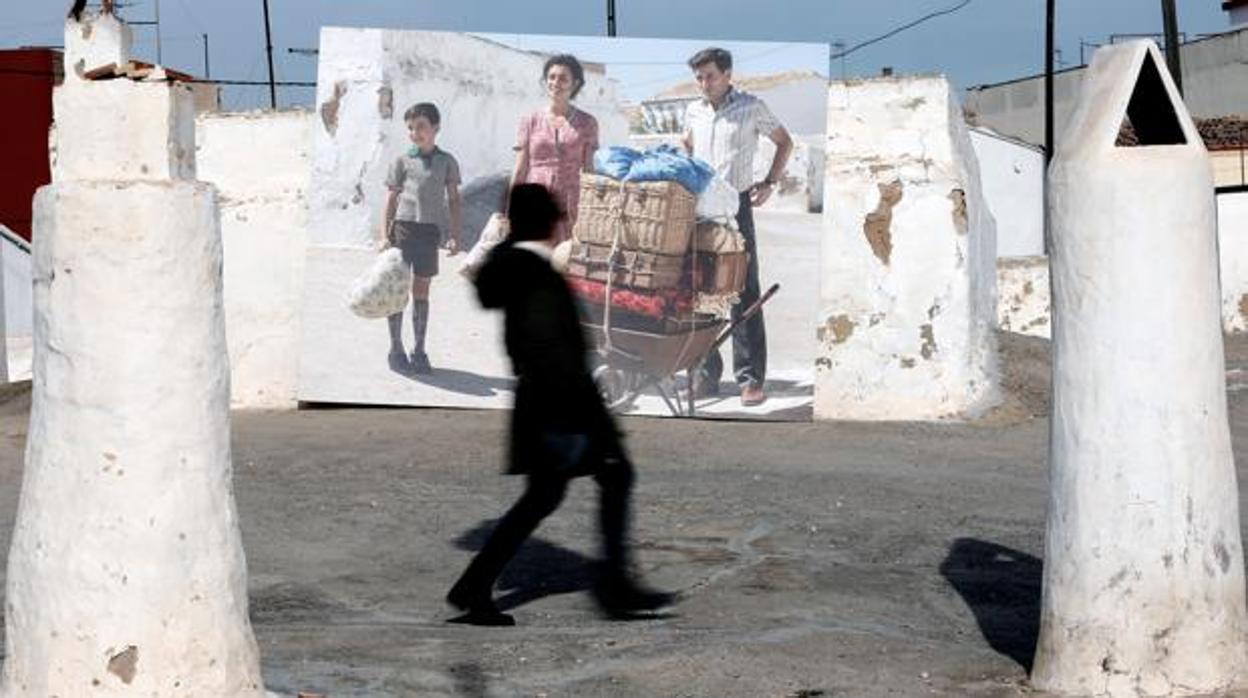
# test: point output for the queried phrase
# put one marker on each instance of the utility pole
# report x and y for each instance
(159, 59)
(207, 66)
(610, 17)
(268, 42)
(1049, 41)
(1171, 21)
(1049, 142)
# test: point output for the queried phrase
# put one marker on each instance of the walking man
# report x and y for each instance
(560, 430)
(723, 129)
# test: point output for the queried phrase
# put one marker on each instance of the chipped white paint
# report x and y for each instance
(1144, 570)
(908, 258)
(103, 40)
(260, 163)
(1233, 255)
(1023, 295)
(145, 141)
(368, 77)
(126, 573)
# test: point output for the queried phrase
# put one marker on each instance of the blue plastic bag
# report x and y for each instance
(615, 161)
(667, 163)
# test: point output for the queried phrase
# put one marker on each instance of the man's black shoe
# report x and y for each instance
(479, 608)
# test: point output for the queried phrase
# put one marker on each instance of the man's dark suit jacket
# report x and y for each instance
(559, 421)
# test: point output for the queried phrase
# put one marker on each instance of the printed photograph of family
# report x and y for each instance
(690, 176)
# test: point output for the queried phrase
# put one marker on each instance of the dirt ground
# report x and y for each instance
(841, 559)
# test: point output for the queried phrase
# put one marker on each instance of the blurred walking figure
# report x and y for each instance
(560, 428)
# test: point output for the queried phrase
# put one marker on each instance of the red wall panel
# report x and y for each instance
(26, 80)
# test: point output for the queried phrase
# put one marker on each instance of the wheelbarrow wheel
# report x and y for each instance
(616, 386)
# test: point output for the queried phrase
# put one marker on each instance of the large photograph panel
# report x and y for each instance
(489, 93)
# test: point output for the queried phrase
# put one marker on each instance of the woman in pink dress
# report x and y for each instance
(554, 145)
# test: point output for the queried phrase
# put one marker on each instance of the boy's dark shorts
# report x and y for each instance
(419, 244)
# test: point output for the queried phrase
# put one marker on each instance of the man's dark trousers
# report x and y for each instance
(749, 339)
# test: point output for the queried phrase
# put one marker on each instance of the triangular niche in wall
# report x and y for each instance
(1151, 118)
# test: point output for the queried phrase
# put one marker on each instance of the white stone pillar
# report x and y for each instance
(126, 574)
(1144, 569)
(908, 272)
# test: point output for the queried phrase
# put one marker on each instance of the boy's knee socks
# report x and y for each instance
(396, 331)
(420, 322)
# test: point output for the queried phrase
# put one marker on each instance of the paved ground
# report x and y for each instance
(817, 560)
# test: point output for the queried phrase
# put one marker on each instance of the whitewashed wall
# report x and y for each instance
(1233, 254)
(1023, 282)
(908, 277)
(261, 165)
(1013, 177)
(367, 79)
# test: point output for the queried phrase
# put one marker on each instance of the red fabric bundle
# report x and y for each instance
(659, 303)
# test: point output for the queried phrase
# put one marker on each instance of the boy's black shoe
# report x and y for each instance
(419, 364)
(398, 361)
(478, 607)
(620, 596)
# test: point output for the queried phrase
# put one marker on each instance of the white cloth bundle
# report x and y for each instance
(719, 201)
(383, 288)
(494, 232)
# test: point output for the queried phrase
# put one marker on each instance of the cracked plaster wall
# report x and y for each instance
(908, 280)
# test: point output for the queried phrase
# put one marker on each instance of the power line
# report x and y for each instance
(902, 28)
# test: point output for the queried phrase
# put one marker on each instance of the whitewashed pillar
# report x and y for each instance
(908, 258)
(126, 575)
(1144, 569)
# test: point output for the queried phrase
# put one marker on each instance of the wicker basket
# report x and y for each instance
(644, 270)
(648, 216)
(721, 273)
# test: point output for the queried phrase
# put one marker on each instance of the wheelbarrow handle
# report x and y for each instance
(745, 315)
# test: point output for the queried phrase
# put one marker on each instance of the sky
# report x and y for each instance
(984, 42)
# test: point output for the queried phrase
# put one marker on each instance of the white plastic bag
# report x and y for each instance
(494, 232)
(720, 200)
(382, 290)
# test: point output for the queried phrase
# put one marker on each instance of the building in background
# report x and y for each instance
(1215, 86)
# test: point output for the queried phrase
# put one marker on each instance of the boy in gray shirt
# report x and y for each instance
(422, 205)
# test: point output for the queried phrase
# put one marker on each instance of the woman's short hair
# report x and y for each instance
(532, 212)
(568, 61)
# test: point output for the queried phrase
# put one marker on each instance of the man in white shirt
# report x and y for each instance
(723, 129)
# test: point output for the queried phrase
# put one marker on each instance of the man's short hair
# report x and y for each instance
(721, 58)
(425, 109)
(532, 212)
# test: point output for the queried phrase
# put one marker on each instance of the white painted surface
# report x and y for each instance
(1233, 254)
(145, 142)
(100, 40)
(1013, 177)
(481, 89)
(261, 164)
(126, 573)
(905, 328)
(1144, 570)
(1023, 295)
(15, 258)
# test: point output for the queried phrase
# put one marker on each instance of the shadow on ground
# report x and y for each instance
(539, 569)
(1002, 588)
